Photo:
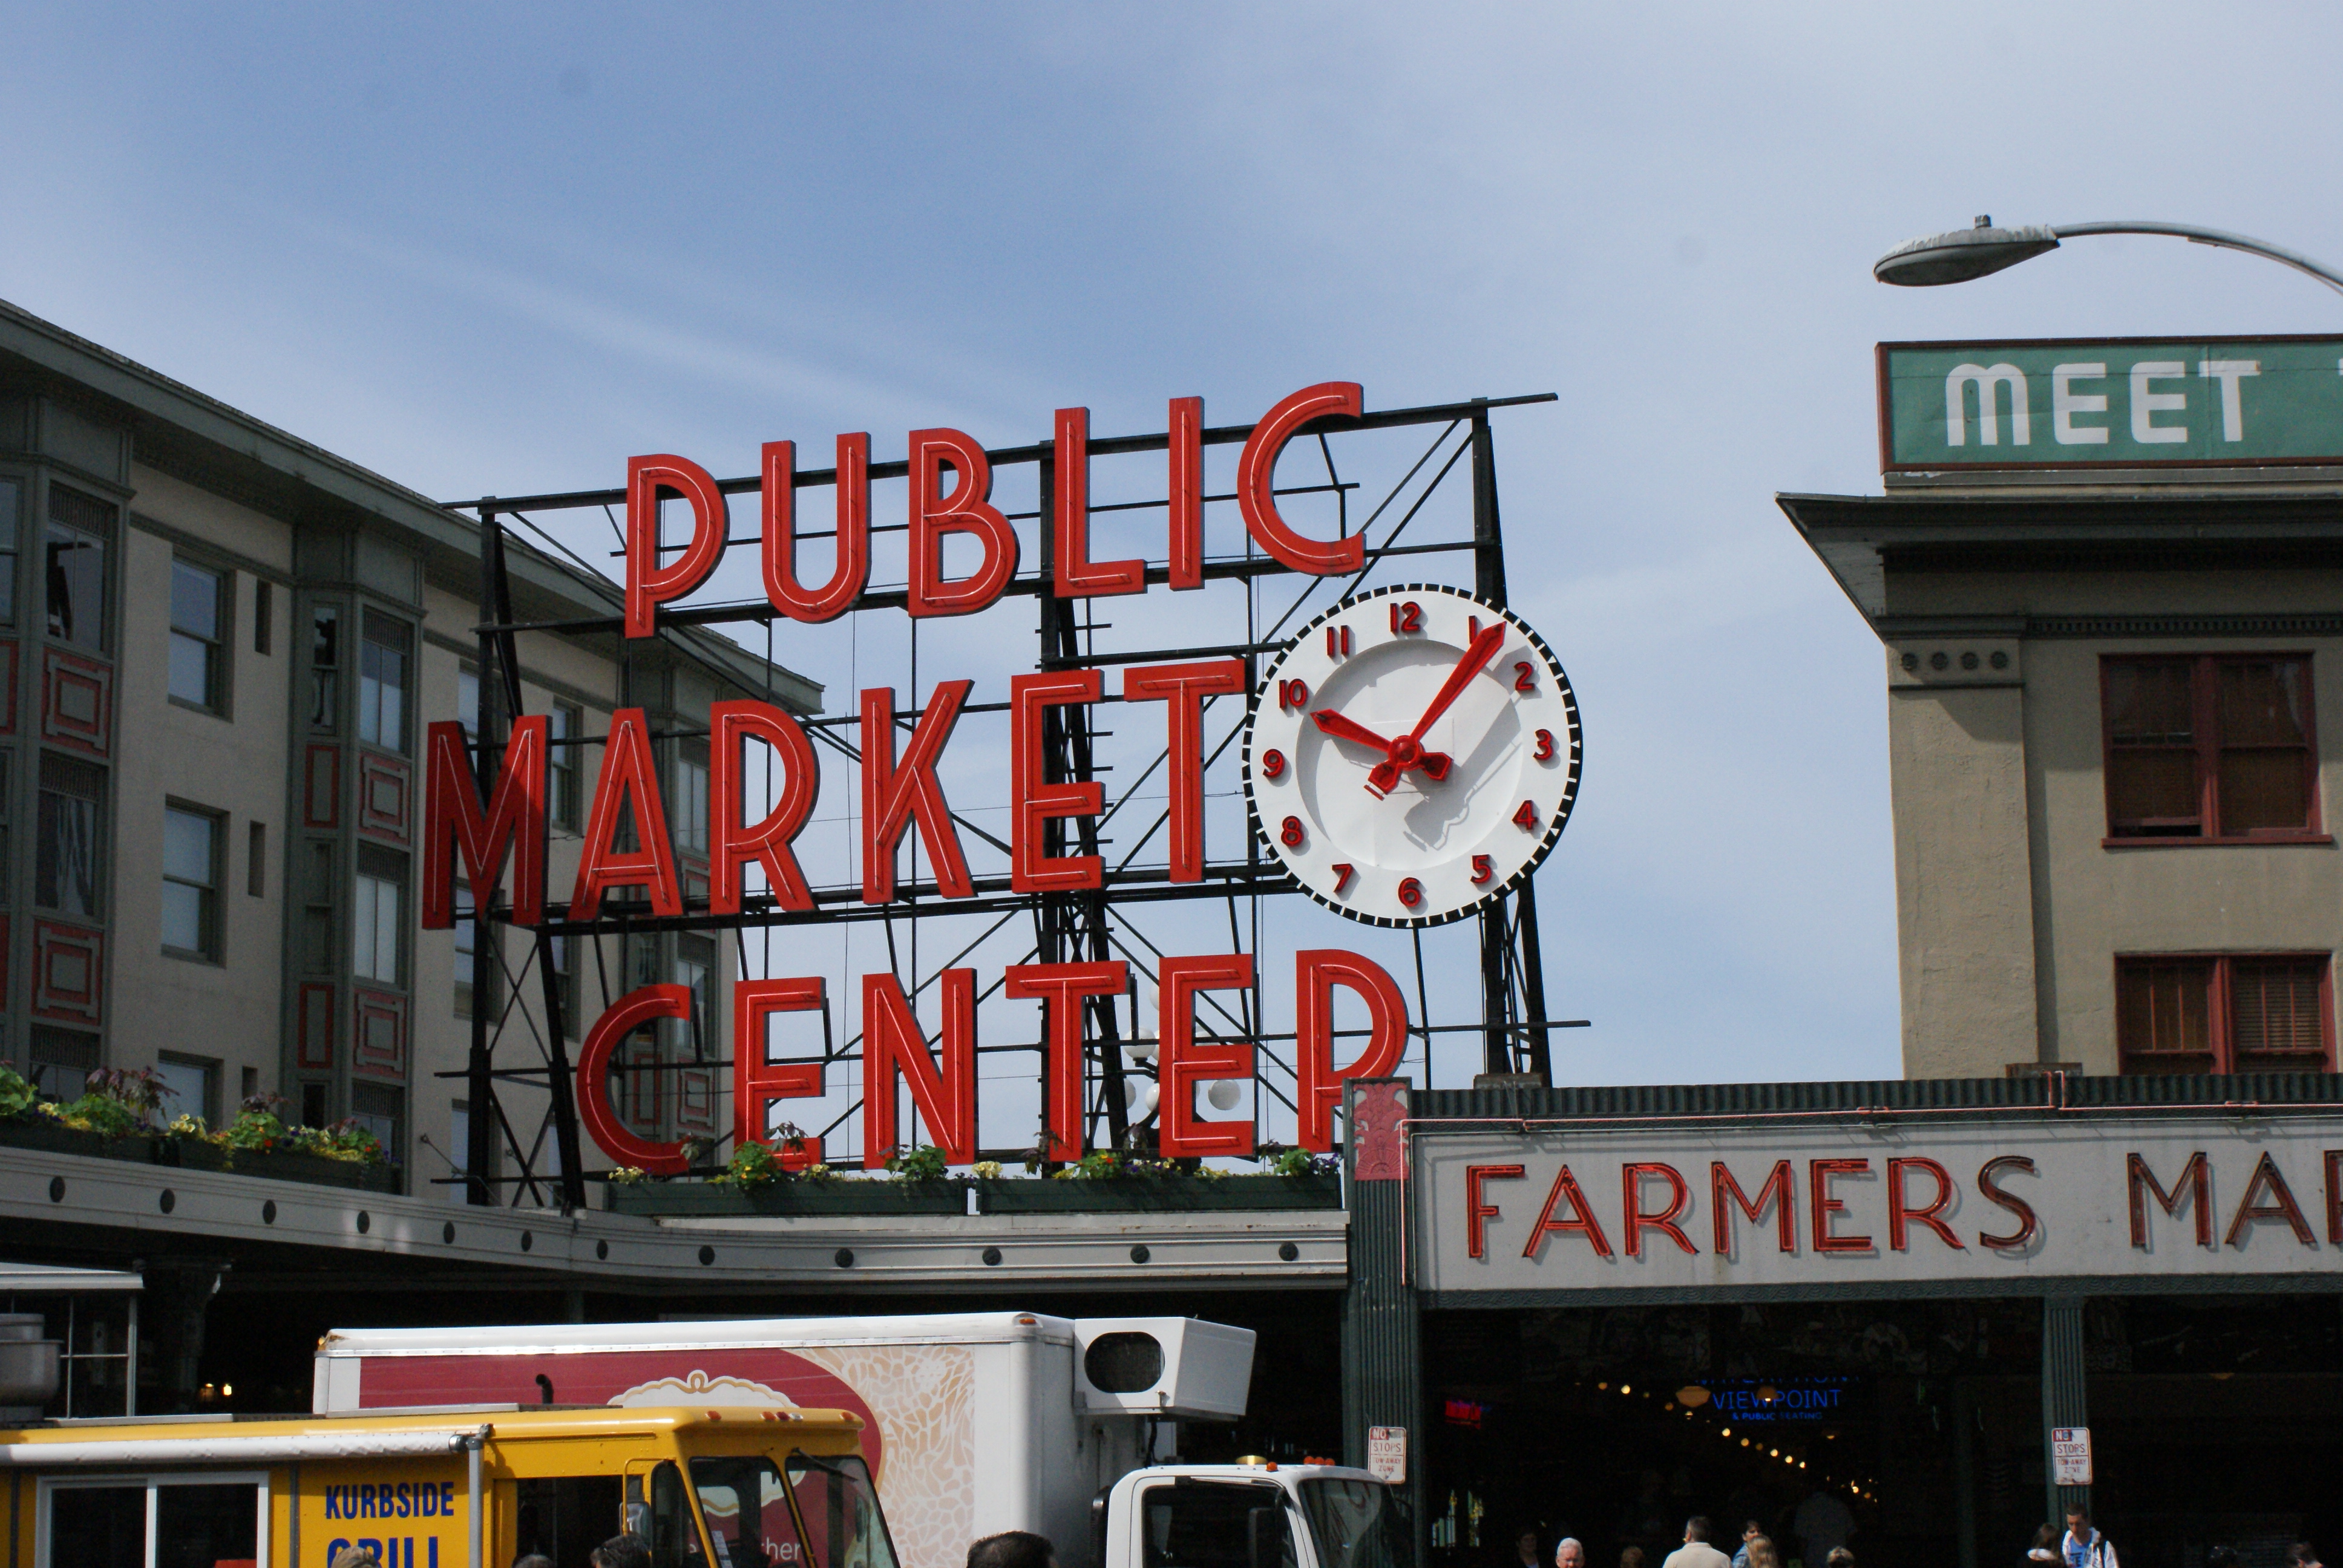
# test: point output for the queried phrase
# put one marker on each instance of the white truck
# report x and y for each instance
(975, 1423)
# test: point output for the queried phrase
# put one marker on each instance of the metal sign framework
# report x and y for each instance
(1068, 926)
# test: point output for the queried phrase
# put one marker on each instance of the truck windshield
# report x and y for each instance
(1357, 1524)
(748, 1516)
(843, 1526)
(1214, 1525)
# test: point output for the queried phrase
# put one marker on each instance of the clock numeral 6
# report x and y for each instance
(1411, 892)
(1483, 867)
(1342, 870)
(1407, 616)
(1546, 746)
(1272, 763)
(1524, 676)
(1291, 835)
(1292, 694)
(1525, 818)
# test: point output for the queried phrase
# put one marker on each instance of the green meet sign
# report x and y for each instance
(2116, 402)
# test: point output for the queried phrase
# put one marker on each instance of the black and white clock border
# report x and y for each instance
(1557, 817)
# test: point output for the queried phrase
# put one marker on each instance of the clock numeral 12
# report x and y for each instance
(1342, 870)
(1407, 617)
(1292, 694)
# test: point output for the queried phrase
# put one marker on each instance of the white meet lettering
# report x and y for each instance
(1987, 379)
(2146, 405)
(2228, 372)
(2065, 403)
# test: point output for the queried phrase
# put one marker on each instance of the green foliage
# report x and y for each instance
(754, 1164)
(924, 1163)
(1300, 1162)
(258, 1131)
(629, 1175)
(17, 1094)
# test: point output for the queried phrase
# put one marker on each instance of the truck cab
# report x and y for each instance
(1256, 1515)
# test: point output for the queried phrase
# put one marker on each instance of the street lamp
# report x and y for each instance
(1967, 253)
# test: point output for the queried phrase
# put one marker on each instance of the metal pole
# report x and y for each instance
(472, 1446)
(2219, 238)
(1489, 582)
(480, 1086)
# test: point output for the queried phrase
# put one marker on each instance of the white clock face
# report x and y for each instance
(1413, 754)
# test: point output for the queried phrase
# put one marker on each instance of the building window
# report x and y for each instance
(690, 805)
(374, 900)
(7, 814)
(468, 701)
(197, 637)
(67, 870)
(264, 614)
(256, 861)
(2212, 746)
(12, 524)
(63, 1060)
(382, 683)
(190, 1087)
(192, 843)
(381, 1109)
(325, 666)
(561, 726)
(695, 971)
(79, 527)
(565, 982)
(2240, 1013)
(468, 967)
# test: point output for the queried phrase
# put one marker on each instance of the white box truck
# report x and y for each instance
(975, 1423)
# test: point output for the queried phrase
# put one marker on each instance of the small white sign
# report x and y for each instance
(2070, 1455)
(1387, 1454)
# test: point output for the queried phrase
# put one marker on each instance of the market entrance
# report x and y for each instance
(1856, 1423)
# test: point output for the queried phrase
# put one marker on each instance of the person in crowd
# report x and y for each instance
(1526, 1547)
(2046, 1545)
(1632, 1557)
(621, 1552)
(1014, 1549)
(1695, 1551)
(1569, 1553)
(2302, 1554)
(1840, 1557)
(1822, 1523)
(1762, 1553)
(2083, 1546)
(534, 1560)
(1749, 1532)
(356, 1556)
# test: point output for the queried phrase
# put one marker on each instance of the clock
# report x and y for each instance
(1413, 754)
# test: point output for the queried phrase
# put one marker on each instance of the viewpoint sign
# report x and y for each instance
(2111, 402)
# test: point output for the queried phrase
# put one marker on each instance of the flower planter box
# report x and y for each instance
(1164, 1194)
(1142, 1194)
(317, 1170)
(55, 1138)
(193, 1154)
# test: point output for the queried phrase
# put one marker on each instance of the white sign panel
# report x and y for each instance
(1984, 1202)
(1387, 1454)
(2070, 1455)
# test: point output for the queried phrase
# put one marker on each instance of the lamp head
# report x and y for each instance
(1962, 254)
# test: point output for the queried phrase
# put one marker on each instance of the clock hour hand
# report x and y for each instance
(1341, 728)
(1386, 773)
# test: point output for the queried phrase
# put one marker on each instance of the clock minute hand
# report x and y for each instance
(1407, 751)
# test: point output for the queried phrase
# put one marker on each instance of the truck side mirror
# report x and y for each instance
(1265, 1540)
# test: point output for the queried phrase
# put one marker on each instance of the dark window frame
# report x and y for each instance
(387, 636)
(219, 647)
(11, 540)
(564, 721)
(2206, 748)
(100, 828)
(2220, 1053)
(210, 911)
(102, 533)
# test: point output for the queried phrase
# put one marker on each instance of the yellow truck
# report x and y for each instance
(446, 1487)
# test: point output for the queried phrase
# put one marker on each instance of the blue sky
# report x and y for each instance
(500, 248)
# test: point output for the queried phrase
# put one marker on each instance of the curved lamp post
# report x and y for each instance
(1967, 253)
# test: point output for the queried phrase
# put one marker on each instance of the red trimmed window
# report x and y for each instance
(2209, 745)
(2234, 1013)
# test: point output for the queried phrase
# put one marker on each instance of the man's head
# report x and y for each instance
(621, 1552)
(1569, 1554)
(1696, 1527)
(2078, 1518)
(2302, 1554)
(1525, 1545)
(356, 1557)
(1751, 1531)
(534, 1560)
(1840, 1557)
(1012, 1549)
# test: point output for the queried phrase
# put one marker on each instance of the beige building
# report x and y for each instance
(218, 648)
(2107, 694)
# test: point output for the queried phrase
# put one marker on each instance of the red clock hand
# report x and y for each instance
(1406, 752)
(1341, 728)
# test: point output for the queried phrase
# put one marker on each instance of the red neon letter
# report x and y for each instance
(1183, 1063)
(1583, 1222)
(1077, 575)
(1899, 1213)
(1818, 1176)
(895, 793)
(649, 584)
(892, 1044)
(1478, 1210)
(2281, 1207)
(2027, 1224)
(1257, 471)
(965, 511)
(1318, 1082)
(756, 1082)
(1183, 688)
(1724, 1189)
(1631, 1182)
(731, 843)
(852, 572)
(1187, 492)
(1032, 802)
(628, 777)
(2195, 1181)
(1061, 989)
(2335, 1197)
(626, 1015)
(514, 821)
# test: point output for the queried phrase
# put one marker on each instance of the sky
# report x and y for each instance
(497, 249)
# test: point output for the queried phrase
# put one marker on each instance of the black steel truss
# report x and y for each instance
(1088, 925)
